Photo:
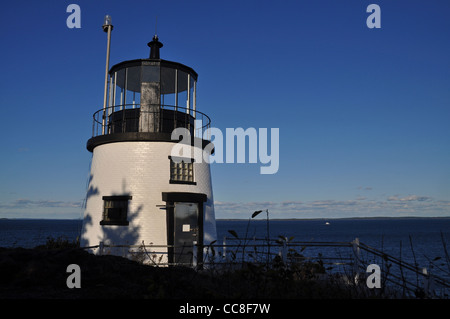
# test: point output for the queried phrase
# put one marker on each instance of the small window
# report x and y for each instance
(181, 170)
(115, 210)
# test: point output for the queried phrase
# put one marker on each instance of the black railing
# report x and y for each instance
(155, 118)
(345, 260)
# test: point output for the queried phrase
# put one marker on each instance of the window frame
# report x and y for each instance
(122, 203)
(190, 167)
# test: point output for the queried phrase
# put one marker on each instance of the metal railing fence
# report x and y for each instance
(348, 260)
(155, 118)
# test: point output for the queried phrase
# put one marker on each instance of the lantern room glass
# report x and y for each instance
(177, 87)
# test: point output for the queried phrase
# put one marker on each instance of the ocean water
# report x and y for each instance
(427, 235)
(419, 240)
(29, 233)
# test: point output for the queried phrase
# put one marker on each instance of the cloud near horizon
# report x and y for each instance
(393, 206)
(52, 209)
(410, 198)
(23, 203)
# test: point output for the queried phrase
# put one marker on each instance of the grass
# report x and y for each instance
(41, 273)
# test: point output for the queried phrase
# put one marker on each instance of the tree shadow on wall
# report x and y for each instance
(112, 234)
(87, 219)
(119, 235)
(91, 191)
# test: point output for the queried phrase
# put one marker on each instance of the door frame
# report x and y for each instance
(170, 198)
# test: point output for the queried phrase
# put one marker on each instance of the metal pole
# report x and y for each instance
(110, 94)
(176, 90)
(224, 244)
(124, 101)
(194, 254)
(188, 102)
(195, 98)
(107, 27)
(114, 91)
(357, 258)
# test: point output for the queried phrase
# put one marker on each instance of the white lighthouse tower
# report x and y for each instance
(139, 193)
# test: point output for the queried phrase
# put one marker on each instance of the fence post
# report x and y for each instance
(224, 245)
(428, 284)
(283, 252)
(357, 257)
(194, 254)
(100, 248)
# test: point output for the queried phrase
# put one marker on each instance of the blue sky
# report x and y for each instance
(363, 114)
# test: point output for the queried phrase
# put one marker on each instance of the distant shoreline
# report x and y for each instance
(335, 218)
(271, 219)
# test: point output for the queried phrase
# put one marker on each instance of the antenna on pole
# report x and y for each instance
(156, 25)
(107, 27)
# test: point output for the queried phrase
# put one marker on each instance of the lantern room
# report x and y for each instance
(149, 96)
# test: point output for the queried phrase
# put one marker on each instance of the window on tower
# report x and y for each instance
(115, 210)
(181, 170)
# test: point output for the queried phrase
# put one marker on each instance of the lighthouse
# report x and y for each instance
(142, 197)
